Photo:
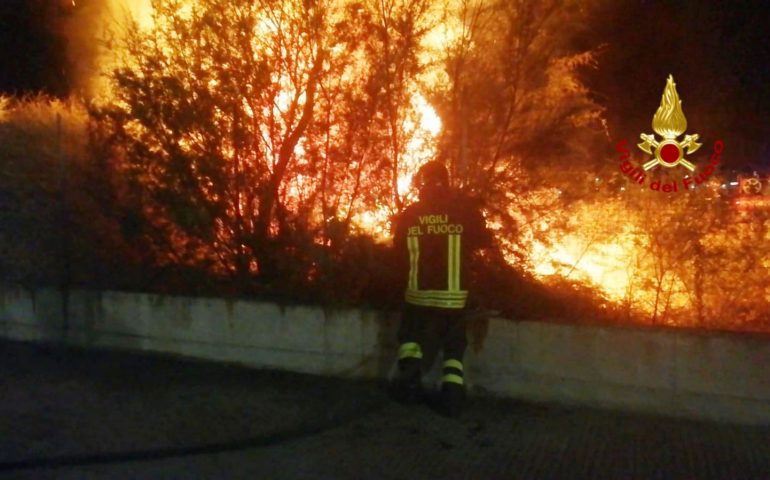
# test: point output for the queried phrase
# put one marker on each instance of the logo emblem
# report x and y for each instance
(669, 122)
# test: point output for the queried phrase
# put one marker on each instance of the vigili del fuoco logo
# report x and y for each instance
(669, 123)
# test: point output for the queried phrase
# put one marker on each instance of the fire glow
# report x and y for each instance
(603, 264)
(603, 245)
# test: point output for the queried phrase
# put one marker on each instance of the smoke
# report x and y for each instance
(93, 31)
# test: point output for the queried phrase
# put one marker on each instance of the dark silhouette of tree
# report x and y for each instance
(210, 106)
(521, 131)
(251, 133)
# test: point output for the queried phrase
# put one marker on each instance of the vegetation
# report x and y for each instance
(262, 147)
(255, 136)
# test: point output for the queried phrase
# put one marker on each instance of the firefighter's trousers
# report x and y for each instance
(441, 326)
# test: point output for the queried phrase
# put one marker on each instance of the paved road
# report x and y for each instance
(73, 414)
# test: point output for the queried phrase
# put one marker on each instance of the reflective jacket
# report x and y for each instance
(434, 240)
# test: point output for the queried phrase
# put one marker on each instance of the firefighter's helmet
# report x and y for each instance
(432, 175)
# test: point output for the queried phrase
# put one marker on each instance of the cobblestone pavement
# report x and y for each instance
(73, 414)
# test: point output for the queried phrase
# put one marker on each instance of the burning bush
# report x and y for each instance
(262, 147)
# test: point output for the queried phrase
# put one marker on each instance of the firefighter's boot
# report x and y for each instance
(452, 388)
(407, 385)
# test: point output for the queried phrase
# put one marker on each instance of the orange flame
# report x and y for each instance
(607, 262)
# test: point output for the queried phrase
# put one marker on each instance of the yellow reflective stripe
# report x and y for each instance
(452, 363)
(458, 261)
(440, 294)
(452, 378)
(450, 262)
(413, 244)
(438, 304)
(456, 304)
(436, 298)
(410, 350)
(453, 262)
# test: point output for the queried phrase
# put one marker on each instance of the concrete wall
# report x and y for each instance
(702, 375)
(302, 339)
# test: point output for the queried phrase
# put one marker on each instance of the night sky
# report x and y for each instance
(719, 55)
(718, 52)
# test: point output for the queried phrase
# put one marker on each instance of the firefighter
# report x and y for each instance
(434, 239)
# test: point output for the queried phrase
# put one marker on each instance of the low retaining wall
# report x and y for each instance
(704, 375)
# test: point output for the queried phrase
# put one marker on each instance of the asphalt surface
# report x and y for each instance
(77, 414)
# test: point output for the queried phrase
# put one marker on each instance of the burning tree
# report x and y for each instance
(209, 109)
(253, 132)
(520, 128)
(261, 139)
(267, 143)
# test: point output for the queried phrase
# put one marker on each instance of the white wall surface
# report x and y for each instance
(717, 376)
